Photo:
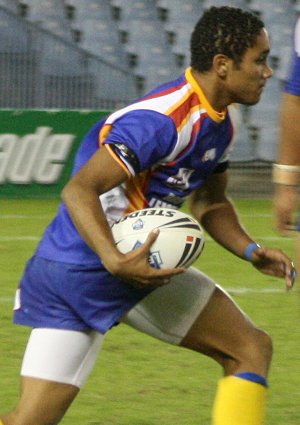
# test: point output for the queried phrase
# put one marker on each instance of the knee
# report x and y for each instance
(18, 417)
(253, 354)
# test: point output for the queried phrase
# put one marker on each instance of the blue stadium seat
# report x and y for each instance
(147, 42)
(135, 10)
(100, 38)
(234, 3)
(88, 9)
(179, 11)
(273, 12)
(263, 117)
(50, 14)
(39, 11)
(14, 34)
(12, 5)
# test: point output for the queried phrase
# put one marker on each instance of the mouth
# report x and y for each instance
(262, 85)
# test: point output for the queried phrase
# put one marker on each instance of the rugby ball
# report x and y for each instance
(180, 241)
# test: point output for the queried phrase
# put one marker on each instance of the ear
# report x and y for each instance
(220, 65)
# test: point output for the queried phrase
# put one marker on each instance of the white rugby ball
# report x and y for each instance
(180, 241)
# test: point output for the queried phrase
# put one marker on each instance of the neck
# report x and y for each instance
(212, 89)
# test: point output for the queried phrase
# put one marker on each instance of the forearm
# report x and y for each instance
(223, 225)
(87, 215)
(289, 136)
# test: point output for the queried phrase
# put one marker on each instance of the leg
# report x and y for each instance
(223, 332)
(41, 402)
(196, 314)
(55, 366)
(245, 355)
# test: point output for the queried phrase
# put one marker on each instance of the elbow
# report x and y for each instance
(68, 193)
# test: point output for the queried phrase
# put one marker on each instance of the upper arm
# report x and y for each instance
(100, 174)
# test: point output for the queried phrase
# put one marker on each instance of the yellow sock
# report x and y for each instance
(239, 402)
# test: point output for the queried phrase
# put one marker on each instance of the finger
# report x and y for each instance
(151, 238)
(290, 278)
(167, 273)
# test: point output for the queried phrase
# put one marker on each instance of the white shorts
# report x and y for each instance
(167, 314)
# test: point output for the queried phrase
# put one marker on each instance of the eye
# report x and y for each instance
(262, 60)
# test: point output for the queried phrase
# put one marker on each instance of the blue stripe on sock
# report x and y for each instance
(253, 377)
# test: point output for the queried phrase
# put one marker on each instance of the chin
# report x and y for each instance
(250, 102)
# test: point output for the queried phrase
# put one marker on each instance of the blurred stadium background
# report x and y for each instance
(101, 54)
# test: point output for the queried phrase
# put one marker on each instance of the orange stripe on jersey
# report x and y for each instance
(182, 114)
(104, 132)
(179, 103)
(215, 115)
(195, 130)
(135, 189)
(118, 160)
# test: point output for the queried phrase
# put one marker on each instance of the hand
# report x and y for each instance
(274, 262)
(135, 269)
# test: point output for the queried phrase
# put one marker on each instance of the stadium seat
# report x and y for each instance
(88, 9)
(179, 11)
(146, 40)
(263, 118)
(50, 14)
(12, 5)
(273, 12)
(296, 6)
(135, 10)
(99, 37)
(234, 3)
(14, 34)
(39, 11)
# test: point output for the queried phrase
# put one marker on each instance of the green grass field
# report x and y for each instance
(138, 380)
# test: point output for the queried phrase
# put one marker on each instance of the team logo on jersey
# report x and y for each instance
(209, 155)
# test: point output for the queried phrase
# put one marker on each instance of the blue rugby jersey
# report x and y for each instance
(168, 142)
(292, 85)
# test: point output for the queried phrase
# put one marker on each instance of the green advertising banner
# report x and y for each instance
(37, 150)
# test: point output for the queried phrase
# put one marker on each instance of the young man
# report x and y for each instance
(168, 146)
(286, 172)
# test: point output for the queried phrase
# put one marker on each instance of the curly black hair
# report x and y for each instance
(226, 30)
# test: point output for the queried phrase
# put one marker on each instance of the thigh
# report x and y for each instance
(60, 355)
(55, 366)
(224, 332)
(169, 311)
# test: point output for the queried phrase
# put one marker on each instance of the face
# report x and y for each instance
(246, 81)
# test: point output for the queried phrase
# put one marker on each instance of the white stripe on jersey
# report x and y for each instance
(159, 104)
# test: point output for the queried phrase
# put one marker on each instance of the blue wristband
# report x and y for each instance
(248, 251)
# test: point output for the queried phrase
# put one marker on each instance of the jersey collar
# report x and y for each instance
(214, 115)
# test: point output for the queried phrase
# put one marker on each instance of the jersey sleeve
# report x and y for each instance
(292, 85)
(141, 138)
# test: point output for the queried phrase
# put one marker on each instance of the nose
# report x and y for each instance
(268, 71)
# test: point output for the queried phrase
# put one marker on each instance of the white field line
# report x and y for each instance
(19, 238)
(230, 290)
(26, 216)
